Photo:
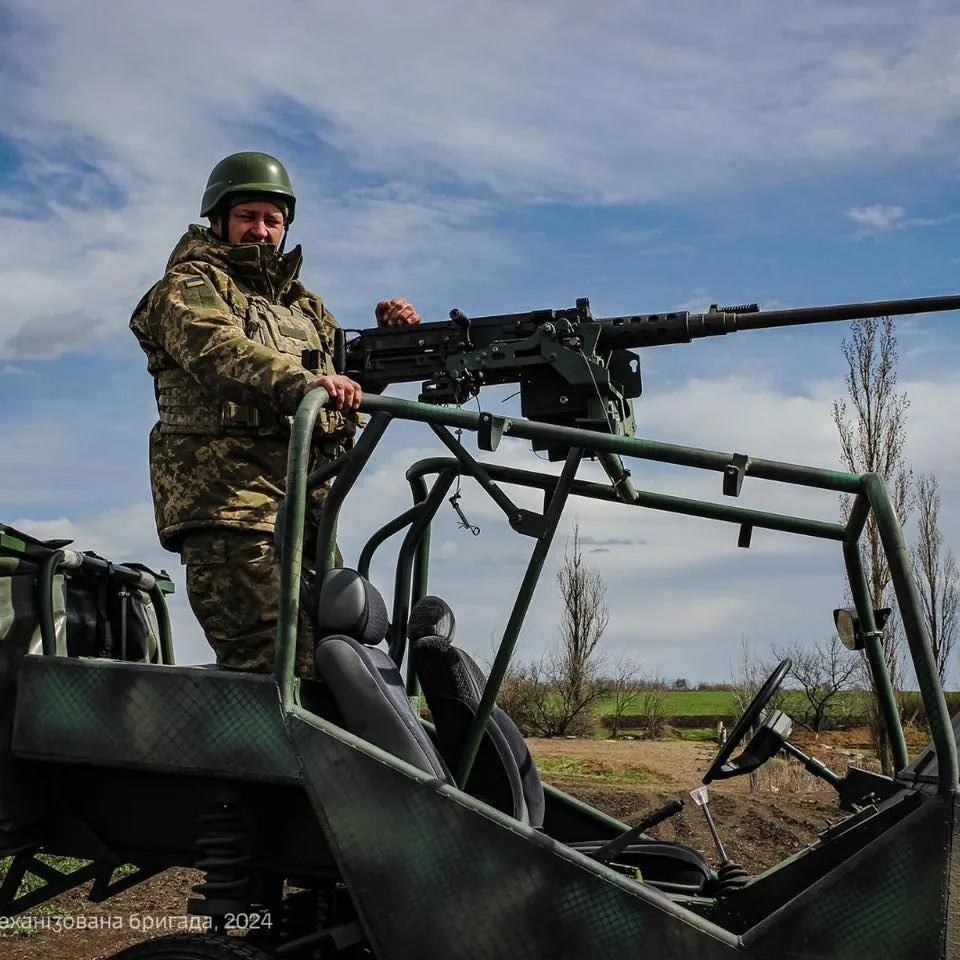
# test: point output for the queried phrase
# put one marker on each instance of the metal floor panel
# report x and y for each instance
(436, 874)
(182, 719)
(889, 900)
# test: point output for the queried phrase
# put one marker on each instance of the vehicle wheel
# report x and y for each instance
(192, 946)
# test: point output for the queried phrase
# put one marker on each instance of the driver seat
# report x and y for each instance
(504, 774)
(368, 693)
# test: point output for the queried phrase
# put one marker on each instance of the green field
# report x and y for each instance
(682, 703)
(708, 703)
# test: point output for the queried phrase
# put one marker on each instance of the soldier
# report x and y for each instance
(224, 332)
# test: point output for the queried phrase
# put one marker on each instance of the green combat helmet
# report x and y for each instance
(248, 173)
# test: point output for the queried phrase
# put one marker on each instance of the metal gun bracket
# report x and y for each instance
(490, 431)
(734, 473)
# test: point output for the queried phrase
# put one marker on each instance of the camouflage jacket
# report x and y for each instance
(223, 333)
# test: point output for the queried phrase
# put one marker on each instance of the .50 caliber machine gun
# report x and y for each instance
(573, 369)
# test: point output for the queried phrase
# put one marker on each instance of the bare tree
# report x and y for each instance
(823, 671)
(748, 675)
(524, 697)
(653, 707)
(574, 665)
(935, 568)
(872, 428)
(623, 688)
(556, 694)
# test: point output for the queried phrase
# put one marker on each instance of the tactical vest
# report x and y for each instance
(186, 407)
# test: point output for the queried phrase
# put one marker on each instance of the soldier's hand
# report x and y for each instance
(396, 312)
(345, 392)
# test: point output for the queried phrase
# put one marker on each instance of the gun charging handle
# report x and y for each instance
(462, 321)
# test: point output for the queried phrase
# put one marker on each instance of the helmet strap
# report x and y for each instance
(222, 213)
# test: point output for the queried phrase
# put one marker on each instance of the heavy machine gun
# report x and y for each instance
(573, 369)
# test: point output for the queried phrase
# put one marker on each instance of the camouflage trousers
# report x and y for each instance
(233, 585)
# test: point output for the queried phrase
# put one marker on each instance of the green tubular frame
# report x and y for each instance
(909, 604)
(409, 551)
(349, 468)
(860, 592)
(382, 535)
(480, 473)
(870, 493)
(512, 630)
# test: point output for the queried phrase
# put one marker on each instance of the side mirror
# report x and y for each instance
(848, 626)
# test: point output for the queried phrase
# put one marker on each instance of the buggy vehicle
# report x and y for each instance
(329, 819)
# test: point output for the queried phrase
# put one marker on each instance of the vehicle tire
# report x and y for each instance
(192, 946)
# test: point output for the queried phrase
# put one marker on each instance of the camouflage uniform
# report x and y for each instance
(223, 332)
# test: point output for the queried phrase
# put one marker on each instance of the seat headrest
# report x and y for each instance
(351, 605)
(431, 617)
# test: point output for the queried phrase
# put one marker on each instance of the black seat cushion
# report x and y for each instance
(671, 866)
(504, 774)
(363, 680)
(349, 604)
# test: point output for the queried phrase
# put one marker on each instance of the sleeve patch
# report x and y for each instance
(199, 293)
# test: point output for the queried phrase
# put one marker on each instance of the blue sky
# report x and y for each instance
(497, 157)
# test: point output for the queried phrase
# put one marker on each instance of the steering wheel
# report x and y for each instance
(747, 722)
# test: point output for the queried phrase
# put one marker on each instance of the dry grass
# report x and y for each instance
(786, 775)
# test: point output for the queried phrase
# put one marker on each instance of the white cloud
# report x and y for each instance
(365, 245)
(389, 115)
(429, 89)
(877, 217)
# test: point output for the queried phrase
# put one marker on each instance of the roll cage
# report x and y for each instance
(870, 496)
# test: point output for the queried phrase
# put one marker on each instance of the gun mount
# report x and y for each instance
(573, 369)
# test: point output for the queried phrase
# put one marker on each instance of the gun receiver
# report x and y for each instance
(573, 369)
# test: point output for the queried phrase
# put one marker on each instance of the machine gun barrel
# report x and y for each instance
(681, 327)
(475, 351)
